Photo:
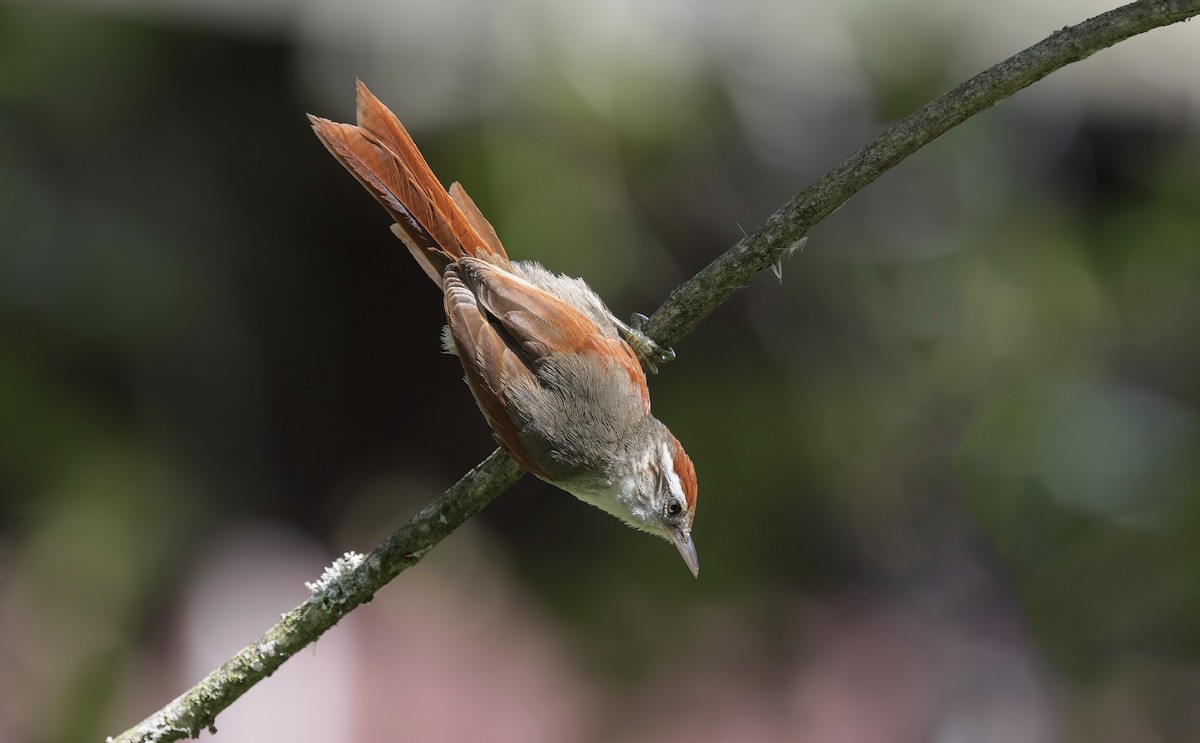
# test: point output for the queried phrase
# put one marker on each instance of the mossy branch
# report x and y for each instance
(358, 579)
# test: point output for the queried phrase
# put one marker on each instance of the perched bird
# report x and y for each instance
(554, 372)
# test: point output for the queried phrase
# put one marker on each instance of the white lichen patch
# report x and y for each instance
(262, 651)
(330, 588)
(156, 727)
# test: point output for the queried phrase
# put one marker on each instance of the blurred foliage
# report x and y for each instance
(988, 363)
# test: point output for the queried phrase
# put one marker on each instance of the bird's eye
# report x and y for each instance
(674, 507)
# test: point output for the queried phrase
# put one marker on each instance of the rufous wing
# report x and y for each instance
(490, 362)
(541, 325)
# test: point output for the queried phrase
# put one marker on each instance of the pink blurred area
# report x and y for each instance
(448, 656)
(457, 650)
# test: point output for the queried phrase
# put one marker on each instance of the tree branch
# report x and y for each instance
(777, 236)
(358, 579)
(339, 591)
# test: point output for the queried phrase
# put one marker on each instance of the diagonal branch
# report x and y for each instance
(341, 591)
(337, 593)
(775, 237)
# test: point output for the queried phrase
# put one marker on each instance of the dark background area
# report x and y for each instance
(949, 471)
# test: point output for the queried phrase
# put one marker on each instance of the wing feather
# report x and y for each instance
(541, 325)
(490, 364)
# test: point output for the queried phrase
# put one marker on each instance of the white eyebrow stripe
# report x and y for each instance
(668, 466)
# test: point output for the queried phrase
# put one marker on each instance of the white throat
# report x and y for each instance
(634, 497)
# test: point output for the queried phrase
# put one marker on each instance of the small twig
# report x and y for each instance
(197, 709)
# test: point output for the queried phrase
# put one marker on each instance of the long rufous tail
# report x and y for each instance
(438, 226)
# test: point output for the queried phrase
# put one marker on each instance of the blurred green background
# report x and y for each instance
(950, 467)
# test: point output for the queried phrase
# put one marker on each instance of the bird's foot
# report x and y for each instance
(646, 349)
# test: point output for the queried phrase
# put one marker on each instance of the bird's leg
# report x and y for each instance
(647, 350)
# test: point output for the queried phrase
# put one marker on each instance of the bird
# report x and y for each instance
(557, 376)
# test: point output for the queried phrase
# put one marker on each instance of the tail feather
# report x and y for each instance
(479, 222)
(437, 226)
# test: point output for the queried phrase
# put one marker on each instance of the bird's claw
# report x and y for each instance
(646, 349)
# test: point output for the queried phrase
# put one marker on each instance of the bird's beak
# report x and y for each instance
(687, 550)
